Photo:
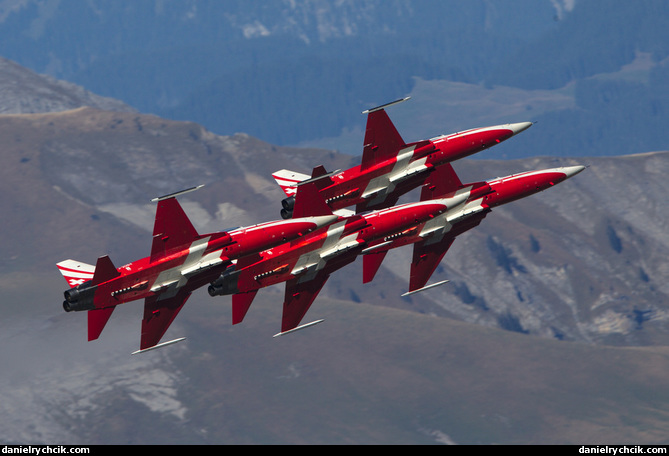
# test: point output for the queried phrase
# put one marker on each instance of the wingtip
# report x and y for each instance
(170, 342)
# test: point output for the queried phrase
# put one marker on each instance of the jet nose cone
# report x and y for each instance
(572, 170)
(519, 127)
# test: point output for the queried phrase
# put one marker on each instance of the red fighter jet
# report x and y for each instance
(305, 264)
(181, 261)
(432, 239)
(390, 167)
(447, 209)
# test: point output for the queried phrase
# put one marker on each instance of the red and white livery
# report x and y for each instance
(181, 261)
(447, 209)
(389, 166)
(432, 239)
(306, 263)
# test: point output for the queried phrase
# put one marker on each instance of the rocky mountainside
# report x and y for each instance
(582, 261)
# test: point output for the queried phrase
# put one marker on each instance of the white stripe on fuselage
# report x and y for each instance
(435, 229)
(175, 278)
(472, 131)
(312, 262)
(335, 243)
(380, 186)
(511, 177)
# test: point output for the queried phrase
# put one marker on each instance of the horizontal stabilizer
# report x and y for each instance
(371, 264)
(240, 305)
(320, 176)
(97, 319)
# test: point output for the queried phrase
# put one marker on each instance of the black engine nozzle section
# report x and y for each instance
(226, 284)
(79, 298)
(288, 206)
(286, 214)
(288, 203)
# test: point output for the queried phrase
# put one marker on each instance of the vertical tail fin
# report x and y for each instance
(288, 180)
(75, 272)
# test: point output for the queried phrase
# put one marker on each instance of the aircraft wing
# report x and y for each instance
(301, 293)
(428, 254)
(441, 181)
(159, 315)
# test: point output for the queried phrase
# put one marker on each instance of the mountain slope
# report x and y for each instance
(367, 375)
(566, 263)
(540, 289)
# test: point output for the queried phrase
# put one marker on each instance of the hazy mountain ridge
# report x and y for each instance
(25, 92)
(206, 61)
(289, 72)
(367, 375)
